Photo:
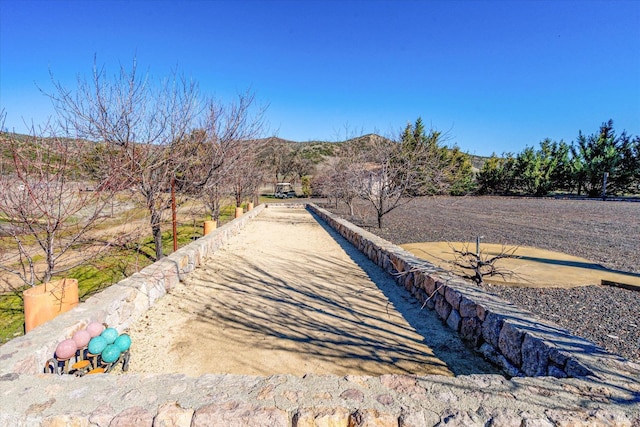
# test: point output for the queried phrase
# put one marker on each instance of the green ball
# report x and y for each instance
(110, 353)
(123, 342)
(97, 344)
(109, 334)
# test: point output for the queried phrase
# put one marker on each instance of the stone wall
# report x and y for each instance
(609, 394)
(515, 340)
(120, 304)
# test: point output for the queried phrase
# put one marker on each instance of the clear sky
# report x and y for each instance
(495, 75)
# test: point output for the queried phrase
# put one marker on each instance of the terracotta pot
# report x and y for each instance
(239, 212)
(44, 302)
(249, 206)
(209, 226)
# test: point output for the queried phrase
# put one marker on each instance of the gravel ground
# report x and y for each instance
(605, 232)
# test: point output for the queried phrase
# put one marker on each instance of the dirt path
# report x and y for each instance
(289, 296)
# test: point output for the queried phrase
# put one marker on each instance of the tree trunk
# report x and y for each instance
(157, 233)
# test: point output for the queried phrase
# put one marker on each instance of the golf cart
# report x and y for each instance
(284, 190)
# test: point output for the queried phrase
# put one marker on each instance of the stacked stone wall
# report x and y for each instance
(515, 340)
(120, 304)
(605, 390)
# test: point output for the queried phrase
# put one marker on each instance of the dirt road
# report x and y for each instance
(290, 296)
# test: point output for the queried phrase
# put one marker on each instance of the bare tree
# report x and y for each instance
(144, 126)
(482, 265)
(48, 206)
(231, 145)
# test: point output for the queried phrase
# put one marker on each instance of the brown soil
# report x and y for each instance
(290, 296)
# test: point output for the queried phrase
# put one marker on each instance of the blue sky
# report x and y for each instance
(495, 75)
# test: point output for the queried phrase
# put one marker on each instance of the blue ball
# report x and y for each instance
(123, 342)
(109, 334)
(110, 353)
(97, 344)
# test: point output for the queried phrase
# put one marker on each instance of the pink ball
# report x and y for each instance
(66, 349)
(95, 329)
(81, 338)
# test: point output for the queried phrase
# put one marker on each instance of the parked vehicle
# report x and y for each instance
(284, 190)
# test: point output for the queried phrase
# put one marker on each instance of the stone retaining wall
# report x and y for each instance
(515, 340)
(120, 304)
(609, 395)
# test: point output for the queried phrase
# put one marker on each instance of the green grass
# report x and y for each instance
(95, 276)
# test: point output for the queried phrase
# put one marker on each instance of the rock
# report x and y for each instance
(481, 312)
(372, 418)
(535, 356)
(554, 371)
(384, 399)
(429, 285)
(172, 414)
(237, 414)
(468, 308)
(453, 297)
(491, 328)
(135, 416)
(575, 369)
(442, 307)
(457, 418)
(67, 420)
(417, 418)
(597, 417)
(510, 343)
(403, 384)
(454, 319)
(352, 394)
(471, 330)
(321, 417)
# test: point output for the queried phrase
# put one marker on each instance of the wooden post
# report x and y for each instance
(174, 214)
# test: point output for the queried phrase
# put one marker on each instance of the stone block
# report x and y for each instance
(65, 420)
(171, 414)
(408, 281)
(453, 297)
(418, 418)
(135, 416)
(535, 356)
(554, 371)
(321, 417)
(429, 285)
(575, 369)
(352, 394)
(442, 307)
(467, 308)
(454, 319)
(558, 357)
(491, 328)
(471, 330)
(510, 343)
(481, 312)
(372, 418)
(239, 414)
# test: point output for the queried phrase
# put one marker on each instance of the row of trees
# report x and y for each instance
(389, 173)
(578, 168)
(110, 134)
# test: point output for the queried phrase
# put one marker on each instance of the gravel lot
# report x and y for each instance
(605, 232)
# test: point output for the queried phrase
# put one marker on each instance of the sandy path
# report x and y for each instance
(289, 296)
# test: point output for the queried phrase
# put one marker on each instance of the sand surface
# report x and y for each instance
(532, 267)
(288, 295)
